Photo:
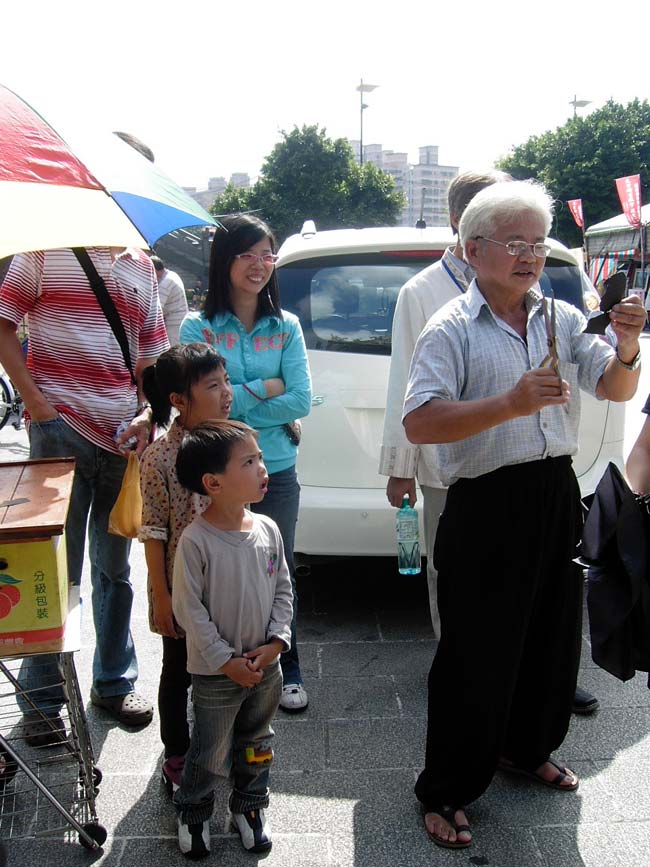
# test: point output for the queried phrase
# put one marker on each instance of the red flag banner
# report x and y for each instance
(629, 192)
(575, 206)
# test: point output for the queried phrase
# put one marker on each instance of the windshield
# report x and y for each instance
(347, 303)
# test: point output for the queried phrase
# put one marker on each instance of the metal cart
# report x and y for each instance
(48, 777)
(48, 789)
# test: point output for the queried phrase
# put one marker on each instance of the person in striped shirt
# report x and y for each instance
(81, 402)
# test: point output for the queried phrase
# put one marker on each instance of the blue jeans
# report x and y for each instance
(231, 738)
(281, 503)
(97, 481)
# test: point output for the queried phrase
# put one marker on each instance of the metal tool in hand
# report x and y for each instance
(552, 358)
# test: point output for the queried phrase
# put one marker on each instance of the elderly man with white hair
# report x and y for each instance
(485, 387)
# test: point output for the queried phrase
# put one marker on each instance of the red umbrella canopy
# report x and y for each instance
(33, 152)
(49, 197)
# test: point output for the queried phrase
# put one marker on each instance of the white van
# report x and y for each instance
(343, 285)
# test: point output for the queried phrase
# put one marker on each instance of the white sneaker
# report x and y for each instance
(194, 839)
(254, 830)
(294, 698)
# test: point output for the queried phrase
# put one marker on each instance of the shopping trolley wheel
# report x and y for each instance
(97, 778)
(96, 831)
(8, 768)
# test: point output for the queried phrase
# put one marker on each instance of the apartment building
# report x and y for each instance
(217, 185)
(424, 183)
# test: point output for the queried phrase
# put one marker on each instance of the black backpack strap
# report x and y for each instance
(108, 307)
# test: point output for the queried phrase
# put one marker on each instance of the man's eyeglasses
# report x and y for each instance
(251, 258)
(519, 248)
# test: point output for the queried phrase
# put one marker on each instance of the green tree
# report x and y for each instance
(231, 201)
(583, 158)
(308, 176)
(371, 197)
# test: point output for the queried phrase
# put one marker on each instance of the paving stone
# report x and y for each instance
(603, 735)
(309, 662)
(518, 801)
(406, 625)
(412, 694)
(300, 744)
(612, 692)
(349, 697)
(132, 805)
(319, 628)
(340, 803)
(620, 844)
(135, 805)
(493, 845)
(52, 852)
(399, 658)
(115, 746)
(376, 743)
(305, 851)
(585, 654)
(625, 779)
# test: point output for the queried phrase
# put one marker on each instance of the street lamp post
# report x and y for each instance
(363, 88)
(578, 103)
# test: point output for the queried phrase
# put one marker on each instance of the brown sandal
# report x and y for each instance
(563, 774)
(448, 814)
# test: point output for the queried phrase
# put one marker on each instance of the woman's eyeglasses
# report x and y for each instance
(251, 258)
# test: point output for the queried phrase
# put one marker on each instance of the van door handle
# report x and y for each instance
(317, 400)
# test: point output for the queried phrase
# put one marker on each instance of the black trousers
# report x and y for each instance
(504, 676)
(172, 697)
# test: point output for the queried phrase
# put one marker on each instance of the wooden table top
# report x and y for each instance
(34, 498)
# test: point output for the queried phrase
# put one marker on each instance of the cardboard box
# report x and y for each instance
(34, 498)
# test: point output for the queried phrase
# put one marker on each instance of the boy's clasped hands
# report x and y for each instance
(247, 670)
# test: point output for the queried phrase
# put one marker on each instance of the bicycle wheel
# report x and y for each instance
(6, 401)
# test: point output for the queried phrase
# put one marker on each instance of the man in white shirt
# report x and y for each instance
(495, 383)
(418, 300)
(421, 297)
(172, 298)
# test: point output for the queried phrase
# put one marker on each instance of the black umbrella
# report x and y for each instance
(615, 547)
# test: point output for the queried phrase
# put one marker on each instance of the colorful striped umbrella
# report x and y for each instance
(51, 196)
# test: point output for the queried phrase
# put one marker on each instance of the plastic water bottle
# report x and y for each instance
(408, 539)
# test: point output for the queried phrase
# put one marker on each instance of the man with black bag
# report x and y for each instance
(94, 324)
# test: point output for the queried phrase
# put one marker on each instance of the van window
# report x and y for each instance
(565, 281)
(346, 303)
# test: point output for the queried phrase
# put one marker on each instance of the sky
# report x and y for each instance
(210, 86)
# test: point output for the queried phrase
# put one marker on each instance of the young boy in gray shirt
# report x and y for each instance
(232, 596)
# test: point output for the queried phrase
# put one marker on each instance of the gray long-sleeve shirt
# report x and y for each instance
(231, 591)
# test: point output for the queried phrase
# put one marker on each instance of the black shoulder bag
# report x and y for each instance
(108, 307)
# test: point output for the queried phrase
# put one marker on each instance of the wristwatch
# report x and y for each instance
(142, 406)
(632, 365)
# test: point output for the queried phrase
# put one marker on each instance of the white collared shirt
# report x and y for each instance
(468, 353)
(421, 297)
(173, 303)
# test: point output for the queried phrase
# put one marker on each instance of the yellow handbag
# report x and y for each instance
(125, 518)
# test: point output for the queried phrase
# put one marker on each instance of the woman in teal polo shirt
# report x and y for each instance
(267, 364)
